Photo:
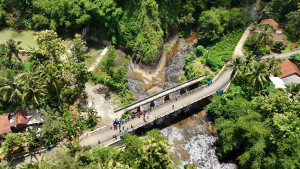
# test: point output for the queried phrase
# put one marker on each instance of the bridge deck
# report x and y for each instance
(164, 93)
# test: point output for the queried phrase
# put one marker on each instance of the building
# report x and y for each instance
(19, 121)
(290, 72)
(270, 22)
(4, 125)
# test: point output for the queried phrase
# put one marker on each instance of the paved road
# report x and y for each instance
(284, 55)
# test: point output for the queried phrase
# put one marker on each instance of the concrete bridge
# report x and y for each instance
(170, 101)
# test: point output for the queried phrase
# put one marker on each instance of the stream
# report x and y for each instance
(191, 135)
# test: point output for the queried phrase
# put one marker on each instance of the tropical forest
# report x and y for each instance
(149, 84)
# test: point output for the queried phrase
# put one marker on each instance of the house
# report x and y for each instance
(18, 120)
(4, 125)
(290, 72)
(270, 22)
(276, 33)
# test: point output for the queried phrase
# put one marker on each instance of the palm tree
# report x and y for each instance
(264, 36)
(235, 65)
(34, 90)
(293, 89)
(11, 48)
(258, 74)
(11, 85)
(53, 79)
(272, 66)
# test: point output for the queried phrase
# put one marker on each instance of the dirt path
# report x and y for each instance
(103, 53)
(238, 51)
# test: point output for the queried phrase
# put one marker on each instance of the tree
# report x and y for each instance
(12, 142)
(51, 47)
(279, 46)
(141, 31)
(258, 74)
(11, 86)
(272, 66)
(235, 65)
(264, 35)
(79, 51)
(32, 138)
(211, 25)
(34, 90)
(293, 25)
(293, 89)
(11, 48)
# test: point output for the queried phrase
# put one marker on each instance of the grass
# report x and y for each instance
(288, 47)
(26, 37)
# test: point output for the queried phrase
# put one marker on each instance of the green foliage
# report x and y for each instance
(295, 56)
(279, 46)
(113, 77)
(293, 25)
(13, 141)
(153, 151)
(214, 56)
(140, 28)
(215, 22)
(259, 38)
(258, 130)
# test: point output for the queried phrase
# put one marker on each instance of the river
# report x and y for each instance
(191, 134)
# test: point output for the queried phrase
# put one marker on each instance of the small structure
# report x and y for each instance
(270, 22)
(290, 72)
(4, 125)
(18, 120)
(279, 83)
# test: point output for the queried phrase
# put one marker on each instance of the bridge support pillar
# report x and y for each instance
(138, 109)
(166, 97)
(182, 91)
(152, 104)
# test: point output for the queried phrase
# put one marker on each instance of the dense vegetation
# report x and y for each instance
(153, 151)
(141, 26)
(218, 26)
(258, 125)
(114, 77)
(49, 79)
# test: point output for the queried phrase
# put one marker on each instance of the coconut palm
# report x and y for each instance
(264, 36)
(258, 74)
(11, 85)
(11, 48)
(235, 65)
(34, 90)
(293, 89)
(272, 66)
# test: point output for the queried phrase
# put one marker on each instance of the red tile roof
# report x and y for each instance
(277, 36)
(270, 22)
(4, 124)
(21, 117)
(288, 68)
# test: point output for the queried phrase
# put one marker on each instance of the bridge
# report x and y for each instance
(157, 106)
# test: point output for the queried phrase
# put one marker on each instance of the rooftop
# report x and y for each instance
(4, 124)
(288, 68)
(270, 22)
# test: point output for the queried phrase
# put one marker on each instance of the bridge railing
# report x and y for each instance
(158, 93)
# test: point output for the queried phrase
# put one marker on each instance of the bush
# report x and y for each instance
(12, 141)
(279, 46)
